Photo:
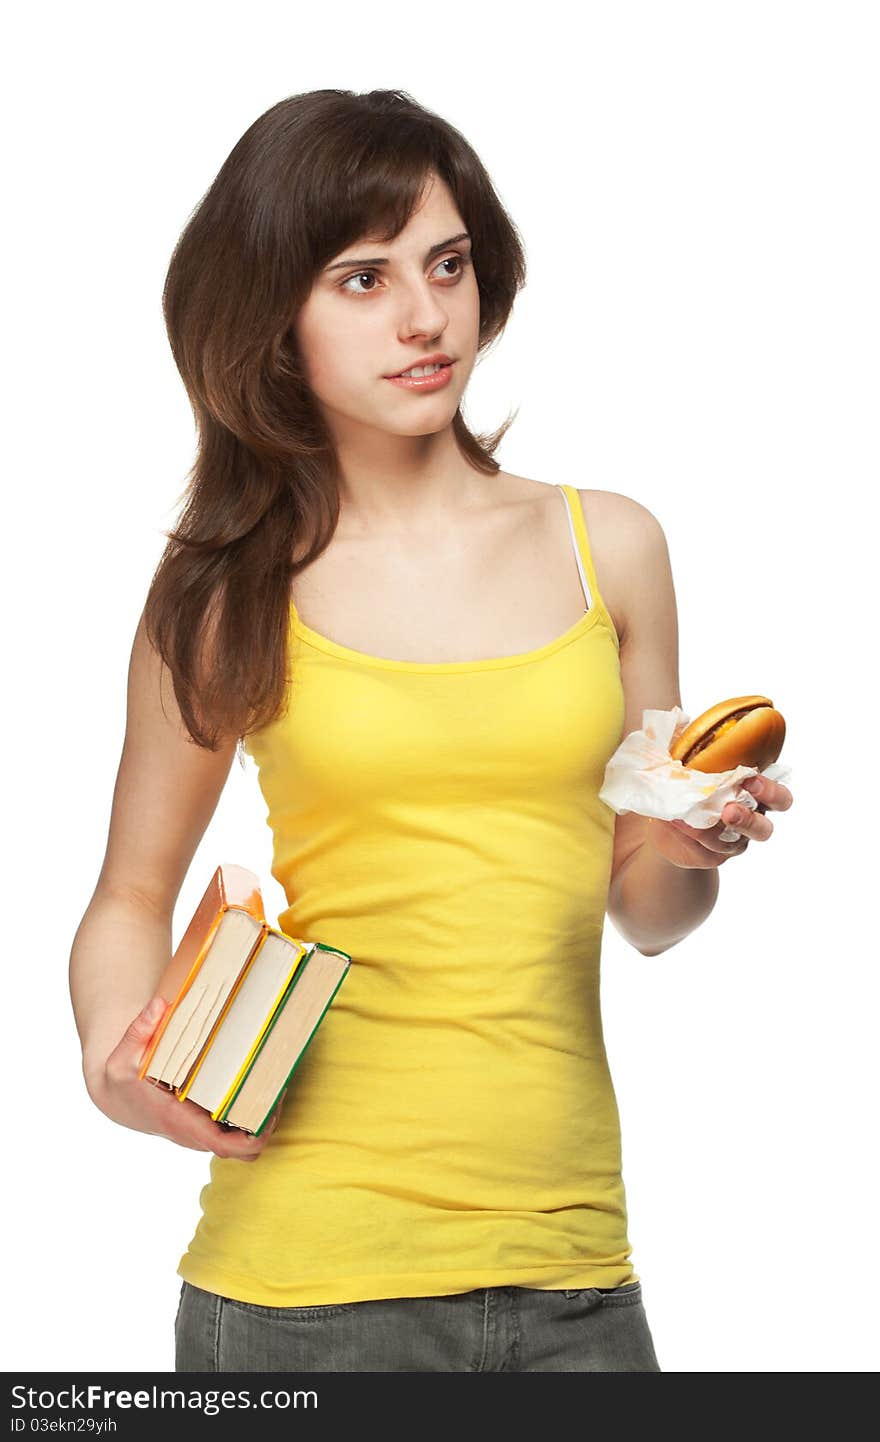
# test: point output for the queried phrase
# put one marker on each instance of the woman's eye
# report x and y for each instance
(461, 260)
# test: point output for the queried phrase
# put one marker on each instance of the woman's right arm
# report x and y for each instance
(166, 792)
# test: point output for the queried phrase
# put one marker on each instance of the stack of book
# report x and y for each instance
(246, 1001)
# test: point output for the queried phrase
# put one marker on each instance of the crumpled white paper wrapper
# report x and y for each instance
(641, 776)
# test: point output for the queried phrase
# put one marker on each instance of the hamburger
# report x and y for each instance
(744, 731)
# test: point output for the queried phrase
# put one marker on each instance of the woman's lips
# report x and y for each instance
(433, 382)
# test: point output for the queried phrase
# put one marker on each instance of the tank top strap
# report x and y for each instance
(582, 551)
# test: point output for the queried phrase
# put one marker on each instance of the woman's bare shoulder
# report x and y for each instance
(614, 507)
(627, 542)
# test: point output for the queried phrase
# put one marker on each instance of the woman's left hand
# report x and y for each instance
(688, 846)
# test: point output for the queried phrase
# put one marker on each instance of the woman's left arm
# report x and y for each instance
(669, 886)
(664, 877)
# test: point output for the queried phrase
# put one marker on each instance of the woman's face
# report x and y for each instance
(362, 323)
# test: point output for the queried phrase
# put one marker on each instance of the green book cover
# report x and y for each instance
(298, 974)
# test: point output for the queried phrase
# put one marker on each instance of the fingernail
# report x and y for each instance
(737, 814)
(153, 1008)
(754, 785)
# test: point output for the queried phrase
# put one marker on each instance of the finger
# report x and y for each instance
(776, 796)
(748, 823)
(238, 1144)
(195, 1126)
(279, 1107)
(138, 1035)
(771, 795)
(274, 1118)
(708, 852)
(710, 837)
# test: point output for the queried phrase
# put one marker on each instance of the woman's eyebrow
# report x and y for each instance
(383, 260)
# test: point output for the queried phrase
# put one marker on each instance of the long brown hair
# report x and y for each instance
(313, 174)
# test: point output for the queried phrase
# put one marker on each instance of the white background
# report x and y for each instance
(696, 187)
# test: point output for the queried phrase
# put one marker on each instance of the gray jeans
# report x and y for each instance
(491, 1329)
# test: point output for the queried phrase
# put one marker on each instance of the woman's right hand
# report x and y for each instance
(135, 1102)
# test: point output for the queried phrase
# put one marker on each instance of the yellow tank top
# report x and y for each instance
(453, 1122)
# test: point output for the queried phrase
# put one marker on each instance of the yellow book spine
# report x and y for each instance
(217, 1113)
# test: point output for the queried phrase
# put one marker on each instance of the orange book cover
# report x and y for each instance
(231, 887)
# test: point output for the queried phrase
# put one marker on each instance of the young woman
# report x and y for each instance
(430, 661)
